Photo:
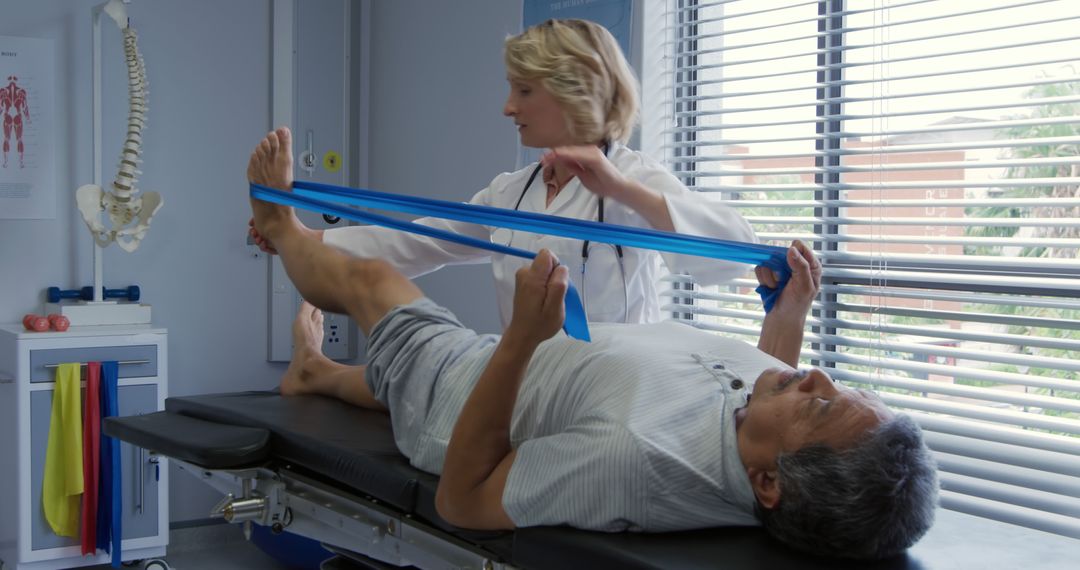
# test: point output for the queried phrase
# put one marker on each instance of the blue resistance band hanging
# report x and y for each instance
(110, 501)
(311, 195)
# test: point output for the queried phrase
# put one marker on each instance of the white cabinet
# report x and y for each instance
(27, 379)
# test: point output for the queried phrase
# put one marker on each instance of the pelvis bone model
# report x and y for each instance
(129, 211)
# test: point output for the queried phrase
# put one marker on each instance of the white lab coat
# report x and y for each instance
(605, 296)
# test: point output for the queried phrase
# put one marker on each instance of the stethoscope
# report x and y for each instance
(585, 244)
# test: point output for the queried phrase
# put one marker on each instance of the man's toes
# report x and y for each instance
(272, 140)
(285, 139)
(264, 174)
(252, 172)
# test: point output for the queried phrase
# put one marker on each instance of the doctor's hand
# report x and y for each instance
(591, 167)
(538, 300)
(264, 244)
(599, 176)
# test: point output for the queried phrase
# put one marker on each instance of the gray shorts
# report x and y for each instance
(409, 351)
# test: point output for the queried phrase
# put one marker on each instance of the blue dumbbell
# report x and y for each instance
(130, 293)
(54, 294)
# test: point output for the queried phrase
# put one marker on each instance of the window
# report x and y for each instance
(930, 152)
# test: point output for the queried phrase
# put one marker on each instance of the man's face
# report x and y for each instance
(539, 119)
(790, 409)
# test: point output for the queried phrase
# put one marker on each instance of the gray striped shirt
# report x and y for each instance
(633, 431)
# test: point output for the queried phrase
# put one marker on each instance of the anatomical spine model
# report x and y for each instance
(123, 203)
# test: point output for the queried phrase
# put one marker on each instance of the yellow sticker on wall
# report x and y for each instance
(331, 161)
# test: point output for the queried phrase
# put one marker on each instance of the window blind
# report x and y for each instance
(929, 150)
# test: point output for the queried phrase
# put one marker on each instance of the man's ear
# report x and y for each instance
(766, 486)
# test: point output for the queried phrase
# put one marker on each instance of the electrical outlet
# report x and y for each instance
(339, 337)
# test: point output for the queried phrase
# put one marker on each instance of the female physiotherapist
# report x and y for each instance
(571, 91)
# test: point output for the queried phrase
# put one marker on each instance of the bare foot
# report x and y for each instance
(307, 358)
(271, 165)
(311, 372)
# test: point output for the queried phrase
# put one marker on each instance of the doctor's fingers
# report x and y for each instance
(575, 157)
(263, 244)
(581, 152)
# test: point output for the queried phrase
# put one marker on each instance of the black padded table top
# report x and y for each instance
(193, 440)
(341, 442)
(355, 447)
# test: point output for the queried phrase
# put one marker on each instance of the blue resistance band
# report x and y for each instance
(110, 502)
(310, 195)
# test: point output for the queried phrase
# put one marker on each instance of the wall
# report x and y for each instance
(209, 69)
(436, 128)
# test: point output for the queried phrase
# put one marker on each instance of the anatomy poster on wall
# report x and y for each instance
(615, 15)
(27, 168)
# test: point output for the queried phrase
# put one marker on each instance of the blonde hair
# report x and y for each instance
(580, 64)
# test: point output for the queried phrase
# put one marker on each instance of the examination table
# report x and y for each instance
(329, 471)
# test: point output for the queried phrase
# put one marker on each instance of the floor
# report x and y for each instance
(213, 547)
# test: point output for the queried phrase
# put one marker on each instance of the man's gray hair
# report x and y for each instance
(872, 500)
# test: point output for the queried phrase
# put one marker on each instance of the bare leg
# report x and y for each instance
(311, 372)
(364, 289)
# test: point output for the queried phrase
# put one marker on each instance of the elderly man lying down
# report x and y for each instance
(648, 428)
